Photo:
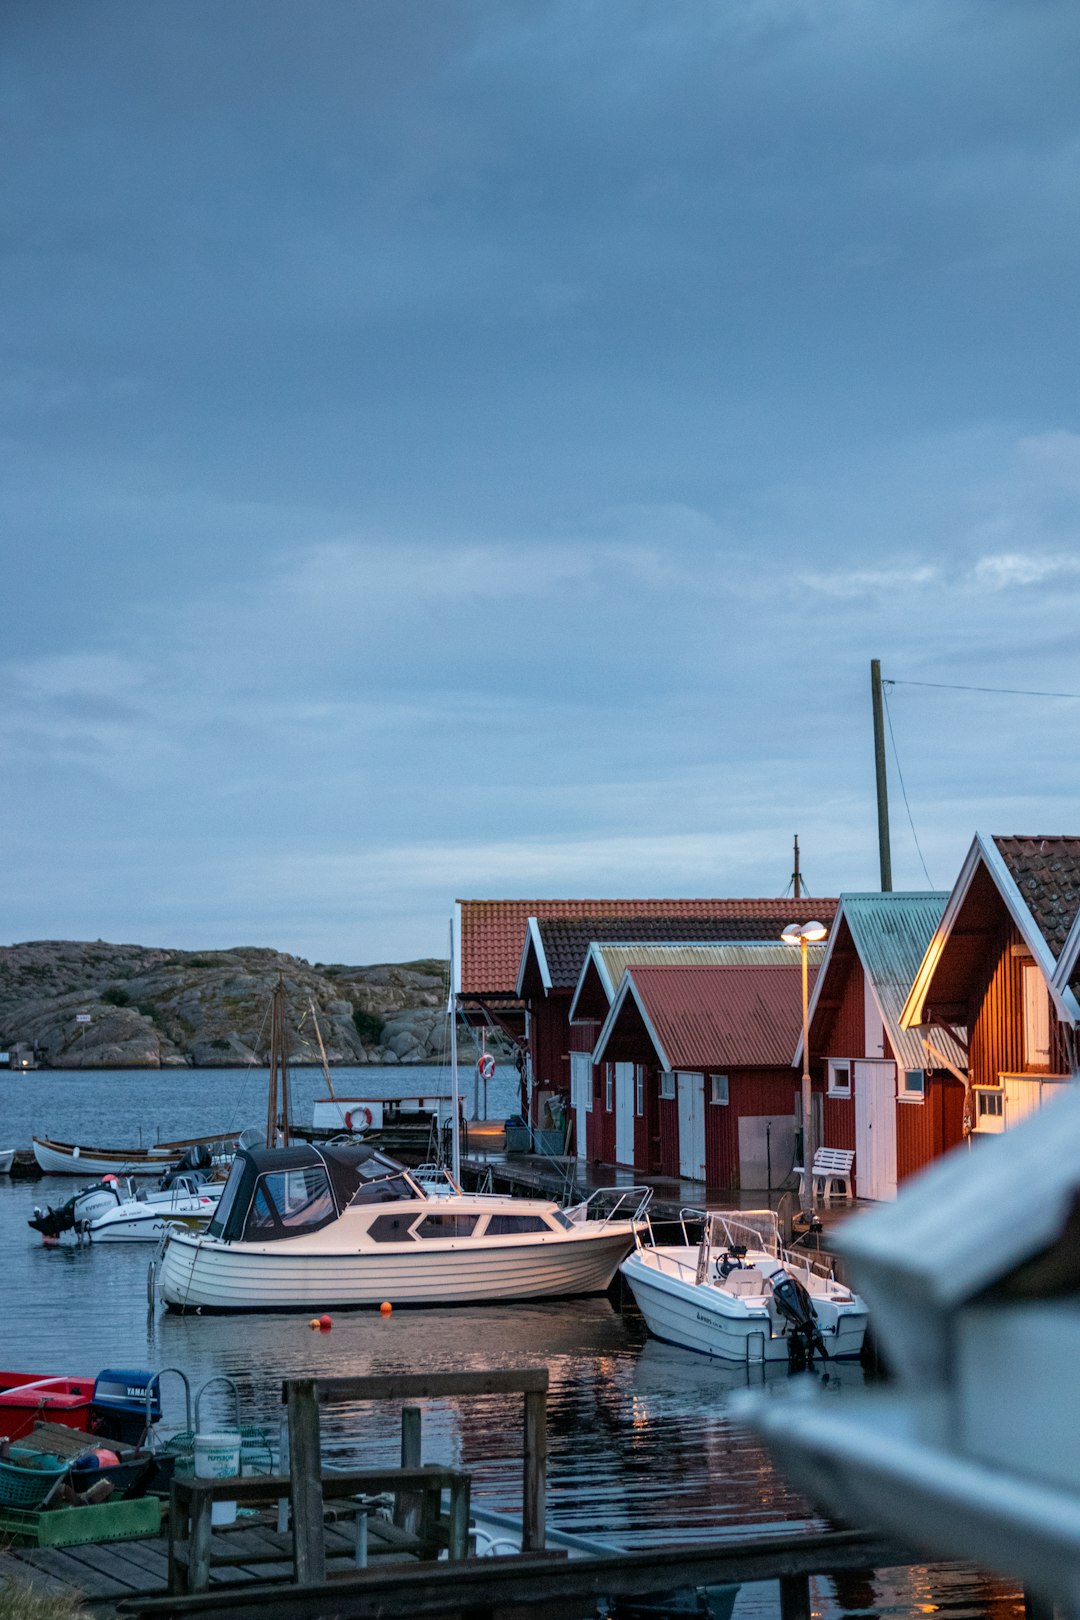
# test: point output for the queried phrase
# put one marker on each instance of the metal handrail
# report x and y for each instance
(622, 1195)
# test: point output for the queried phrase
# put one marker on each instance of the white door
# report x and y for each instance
(1025, 1093)
(581, 1092)
(624, 1113)
(875, 1128)
(691, 1089)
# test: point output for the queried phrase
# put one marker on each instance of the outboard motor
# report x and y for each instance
(74, 1216)
(123, 1405)
(795, 1305)
(196, 1158)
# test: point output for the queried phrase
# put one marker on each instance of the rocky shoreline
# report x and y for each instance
(80, 1005)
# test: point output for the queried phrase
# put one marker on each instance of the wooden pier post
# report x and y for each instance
(534, 1489)
(407, 1504)
(794, 1597)
(305, 1479)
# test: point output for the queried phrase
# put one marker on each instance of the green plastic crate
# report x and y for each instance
(70, 1526)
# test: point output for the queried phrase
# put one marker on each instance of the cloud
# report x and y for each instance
(1010, 569)
(848, 584)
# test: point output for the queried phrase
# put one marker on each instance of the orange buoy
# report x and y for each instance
(326, 1323)
(385, 1308)
(314, 1323)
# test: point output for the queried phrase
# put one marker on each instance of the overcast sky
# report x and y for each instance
(462, 448)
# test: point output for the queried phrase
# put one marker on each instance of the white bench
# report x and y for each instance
(832, 1169)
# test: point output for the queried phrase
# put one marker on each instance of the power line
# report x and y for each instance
(900, 774)
(1003, 691)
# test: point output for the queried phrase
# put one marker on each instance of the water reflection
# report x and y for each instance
(642, 1448)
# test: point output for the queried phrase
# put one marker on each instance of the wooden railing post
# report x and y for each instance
(407, 1504)
(534, 1491)
(305, 1482)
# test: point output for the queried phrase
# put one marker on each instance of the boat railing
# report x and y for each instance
(608, 1204)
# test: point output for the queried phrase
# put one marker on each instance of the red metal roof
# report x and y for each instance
(493, 931)
(729, 1017)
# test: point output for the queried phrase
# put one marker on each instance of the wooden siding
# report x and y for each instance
(751, 1092)
(549, 1043)
(926, 1130)
(996, 1014)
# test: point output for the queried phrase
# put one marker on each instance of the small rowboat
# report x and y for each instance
(73, 1159)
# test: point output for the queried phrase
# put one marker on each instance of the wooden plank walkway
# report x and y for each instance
(252, 1550)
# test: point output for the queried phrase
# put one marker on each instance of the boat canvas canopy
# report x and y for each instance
(343, 1171)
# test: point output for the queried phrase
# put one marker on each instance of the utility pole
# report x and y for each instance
(884, 852)
(796, 878)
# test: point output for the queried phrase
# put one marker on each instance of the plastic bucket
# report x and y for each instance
(217, 1456)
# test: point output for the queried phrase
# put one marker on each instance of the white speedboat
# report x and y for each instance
(118, 1209)
(145, 1216)
(317, 1227)
(739, 1295)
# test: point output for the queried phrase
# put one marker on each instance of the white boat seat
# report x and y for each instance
(744, 1282)
(832, 1170)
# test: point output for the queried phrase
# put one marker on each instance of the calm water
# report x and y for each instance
(640, 1446)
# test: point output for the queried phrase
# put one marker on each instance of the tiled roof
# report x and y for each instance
(718, 1017)
(566, 941)
(1047, 873)
(493, 931)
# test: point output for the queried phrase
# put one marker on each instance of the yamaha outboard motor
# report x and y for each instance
(124, 1404)
(85, 1206)
(796, 1306)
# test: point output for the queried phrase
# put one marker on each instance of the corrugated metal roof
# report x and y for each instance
(891, 933)
(566, 940)
(727, 1017)
(602, 971)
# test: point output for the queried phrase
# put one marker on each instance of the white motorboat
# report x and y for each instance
(146, 1216)
(317, 1227)
(739, 1295)
(119, 1209)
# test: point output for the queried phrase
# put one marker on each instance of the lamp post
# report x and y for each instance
(802, 934)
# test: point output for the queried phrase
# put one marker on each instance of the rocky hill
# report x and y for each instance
(83, 1006)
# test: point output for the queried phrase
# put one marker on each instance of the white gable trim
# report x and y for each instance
(1066, 963)
(819, 982)
(593, 956)
(532, 937)
(628, 988)
(983, 850)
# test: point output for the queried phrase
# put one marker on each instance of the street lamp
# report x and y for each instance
(804, 934)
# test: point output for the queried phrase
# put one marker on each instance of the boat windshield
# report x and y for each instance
(384, 1189)
(228, 1198)
(288, 1203)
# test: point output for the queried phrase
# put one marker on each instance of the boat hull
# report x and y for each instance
(26, 1399)
(73, 1159)
(206, 1275)
(712, 1323)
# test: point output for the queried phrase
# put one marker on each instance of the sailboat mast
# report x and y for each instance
(277, 1128)
(455, 1123)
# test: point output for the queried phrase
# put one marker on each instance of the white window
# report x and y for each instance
(912, 1086)
(667, 1085)
(718, 1088)
(839, 1077)
(1036, 1018)
(639, 1089)
(989, 1110)
(609, 1086)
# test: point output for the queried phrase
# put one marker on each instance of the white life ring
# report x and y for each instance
(485, 1066)
(359, 1119)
